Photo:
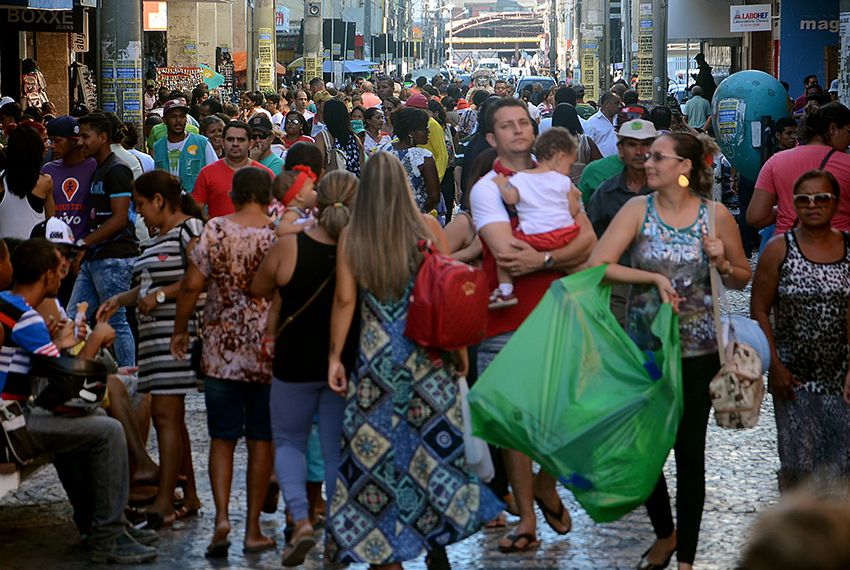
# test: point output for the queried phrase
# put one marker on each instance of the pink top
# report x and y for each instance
(779, 173)
(228, 255)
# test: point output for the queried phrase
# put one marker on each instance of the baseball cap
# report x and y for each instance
(6, 101)
(150, 83)
(260, 123)
(462, 104)
(833, 87)
(54, 230)
(417, 100)
(174, 104)
(322, 97)
(637, 129)
(63, 126)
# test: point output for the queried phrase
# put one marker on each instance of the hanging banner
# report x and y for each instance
(179, 78)
(265, 57)
(752, 18)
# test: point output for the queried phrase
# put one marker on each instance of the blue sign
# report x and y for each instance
(807, 29)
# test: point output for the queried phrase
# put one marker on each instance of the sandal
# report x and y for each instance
(295, 553)
(549, 514)
(531, 543)
(645, 564)
(218, 549)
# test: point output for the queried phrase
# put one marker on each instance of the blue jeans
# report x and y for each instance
(293, 405)
(99, 280)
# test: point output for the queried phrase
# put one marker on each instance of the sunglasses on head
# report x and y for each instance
(820, 199)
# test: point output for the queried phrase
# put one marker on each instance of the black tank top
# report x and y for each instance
(301, 349)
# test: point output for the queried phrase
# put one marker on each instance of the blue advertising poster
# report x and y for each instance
(807, 29)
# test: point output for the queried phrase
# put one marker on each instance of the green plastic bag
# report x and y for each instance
(576, 394)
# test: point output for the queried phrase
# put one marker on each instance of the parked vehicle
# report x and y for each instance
(529, 80)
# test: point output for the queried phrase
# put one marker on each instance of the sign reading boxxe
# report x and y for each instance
(752, 18)
(25, 19)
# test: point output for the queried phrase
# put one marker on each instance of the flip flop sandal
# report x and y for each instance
(531, 543)
(218, 549)
(558, 516)
(296, 552)
(185, 512)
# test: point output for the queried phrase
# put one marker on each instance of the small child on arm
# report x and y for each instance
(546, 201)
(294, 191)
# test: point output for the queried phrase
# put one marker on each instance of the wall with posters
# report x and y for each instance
(808, 28)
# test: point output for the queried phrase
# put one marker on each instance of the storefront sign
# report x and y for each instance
(79, 43)
(155, 16)
(752, 18)
(265, 57)
(27, 20)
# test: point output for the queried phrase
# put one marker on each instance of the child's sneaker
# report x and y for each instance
(500, 301)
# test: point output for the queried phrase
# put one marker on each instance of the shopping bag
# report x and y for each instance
(577, 395)
(476, 450)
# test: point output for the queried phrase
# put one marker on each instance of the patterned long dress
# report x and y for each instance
(402, 485)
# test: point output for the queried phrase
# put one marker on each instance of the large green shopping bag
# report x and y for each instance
(576, 394)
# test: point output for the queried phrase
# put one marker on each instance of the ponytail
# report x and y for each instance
(334, 194)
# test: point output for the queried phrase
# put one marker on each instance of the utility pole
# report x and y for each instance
(626, 19)
(844, 55)
(659, 53)
(121, 73)
(250, 58)
(367, 30)
(553, 36)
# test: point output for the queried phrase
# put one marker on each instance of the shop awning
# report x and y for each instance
(239, 65)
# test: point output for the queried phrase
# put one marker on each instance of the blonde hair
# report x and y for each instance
(382, 242)
(333, 195)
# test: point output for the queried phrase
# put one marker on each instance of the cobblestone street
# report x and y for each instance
(36, 530)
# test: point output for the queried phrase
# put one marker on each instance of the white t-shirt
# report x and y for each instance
(546, 124)
(600, 129)
(533, 111)
(277, 119)
(543, 205)
(486, 204)
(147, 161)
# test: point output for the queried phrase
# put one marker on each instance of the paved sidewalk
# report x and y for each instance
(36, 530)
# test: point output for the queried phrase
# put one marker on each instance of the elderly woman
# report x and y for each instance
(668, 235)
(804, 276)
(238, 375)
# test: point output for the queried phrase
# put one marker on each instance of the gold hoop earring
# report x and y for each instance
(683, 181)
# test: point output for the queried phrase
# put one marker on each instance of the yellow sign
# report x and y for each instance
(644, 55)
(265, 58)
(589, 73)
(312, 68)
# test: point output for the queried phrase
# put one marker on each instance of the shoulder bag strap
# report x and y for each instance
(309, 302)
(326, 138)
(715, 286)
(826, 159)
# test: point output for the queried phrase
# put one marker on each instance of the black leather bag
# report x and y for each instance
(17, 445)
(66, 385)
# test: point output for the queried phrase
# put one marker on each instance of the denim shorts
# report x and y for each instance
(236, 409)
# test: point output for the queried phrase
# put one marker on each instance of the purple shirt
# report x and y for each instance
(71, 191)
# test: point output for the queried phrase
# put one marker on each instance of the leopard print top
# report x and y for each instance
(811, 318)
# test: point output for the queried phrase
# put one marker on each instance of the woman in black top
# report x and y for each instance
(301, 268)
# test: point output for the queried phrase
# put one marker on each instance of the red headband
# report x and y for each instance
(304, 172)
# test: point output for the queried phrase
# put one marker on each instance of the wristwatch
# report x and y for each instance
(160, 297)
(548, 260)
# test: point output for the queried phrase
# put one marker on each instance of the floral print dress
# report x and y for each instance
(228, 254)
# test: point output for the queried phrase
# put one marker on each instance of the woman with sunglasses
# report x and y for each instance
(295, 130)
(667, 233)
(804, 277)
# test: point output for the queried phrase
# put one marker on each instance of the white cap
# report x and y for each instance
(329, 85)
(637, 129)
(833, 87)
(6, 101)
(55, 231)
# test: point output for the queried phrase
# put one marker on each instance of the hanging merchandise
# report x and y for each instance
(575, 393)
(83, 88)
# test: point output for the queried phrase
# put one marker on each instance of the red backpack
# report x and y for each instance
(448, 306)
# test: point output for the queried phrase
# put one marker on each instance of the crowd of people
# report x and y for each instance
(265, 254)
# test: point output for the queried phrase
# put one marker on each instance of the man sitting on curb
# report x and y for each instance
(90, 452)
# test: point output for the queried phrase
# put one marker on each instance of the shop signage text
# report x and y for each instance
(25, 19)
(752, 18)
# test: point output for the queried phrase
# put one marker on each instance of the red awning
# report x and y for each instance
(239, 58)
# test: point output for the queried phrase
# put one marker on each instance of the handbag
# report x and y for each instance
(476, 450)
(17, 445)
(448, 305)
(307, 303)
(737, 390)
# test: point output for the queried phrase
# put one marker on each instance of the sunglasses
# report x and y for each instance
(659, 156)
(262, 136)
(293, 121)
(820, 199)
